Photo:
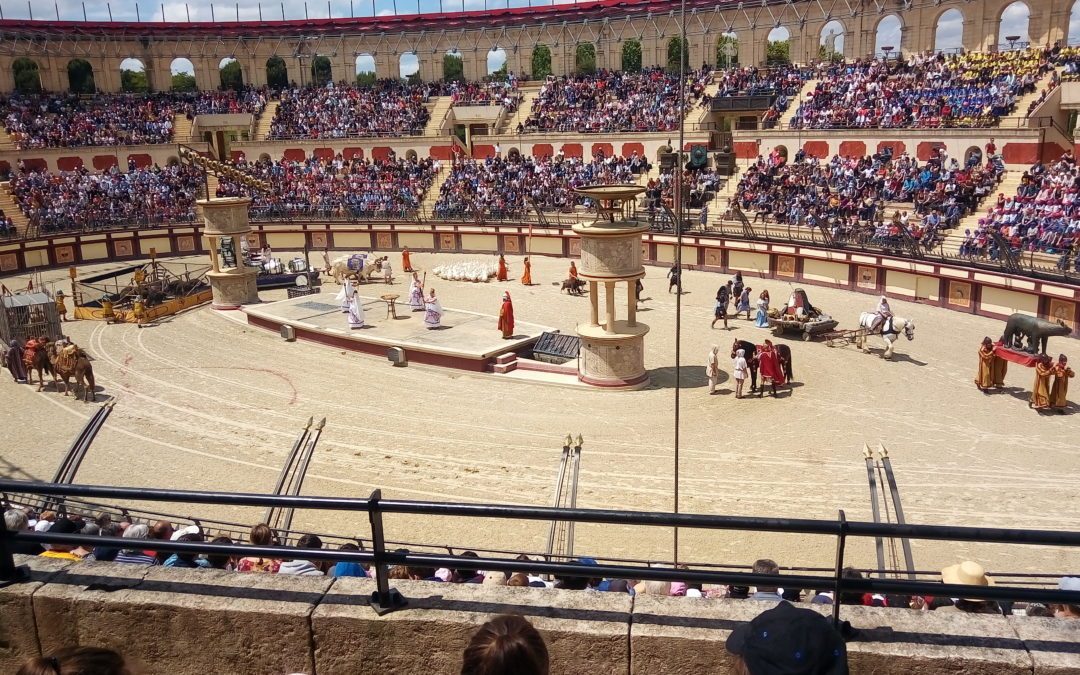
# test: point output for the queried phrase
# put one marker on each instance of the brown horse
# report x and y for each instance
(73, 363)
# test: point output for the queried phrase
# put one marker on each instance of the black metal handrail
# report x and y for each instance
(380, 557)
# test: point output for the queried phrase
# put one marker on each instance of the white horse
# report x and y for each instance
(889, 330)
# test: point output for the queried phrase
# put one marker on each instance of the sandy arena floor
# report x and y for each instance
(206, 402)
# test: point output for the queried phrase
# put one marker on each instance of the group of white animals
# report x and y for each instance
(468, 270)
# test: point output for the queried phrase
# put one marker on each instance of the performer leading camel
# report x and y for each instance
(984, 379)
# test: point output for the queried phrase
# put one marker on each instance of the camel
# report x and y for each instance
(71, 362)
(339, 267)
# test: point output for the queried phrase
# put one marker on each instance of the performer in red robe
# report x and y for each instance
(769, 366)
(506, 317)
(503, 273)
(406, 261)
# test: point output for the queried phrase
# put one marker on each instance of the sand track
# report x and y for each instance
(206, 402)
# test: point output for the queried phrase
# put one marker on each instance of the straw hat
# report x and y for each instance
(967, 573)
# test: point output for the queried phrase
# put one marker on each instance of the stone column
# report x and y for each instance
(612, 353)
(227, 218)
(631, 304)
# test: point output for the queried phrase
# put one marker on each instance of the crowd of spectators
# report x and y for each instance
(72, 120)
(336, 188)
(1043, 215)
(849, 196)
(496, 91)
(294, 562)
(783, 81)
(501, 187)
(609, 101)
(81, 200)
(387, 108)
(973, 89)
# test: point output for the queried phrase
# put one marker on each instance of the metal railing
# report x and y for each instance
(380, 557)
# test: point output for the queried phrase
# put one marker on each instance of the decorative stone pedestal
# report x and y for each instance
(225, 228)
(612, 350)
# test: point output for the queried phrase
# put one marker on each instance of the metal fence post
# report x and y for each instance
(841, 543)
(384, 599)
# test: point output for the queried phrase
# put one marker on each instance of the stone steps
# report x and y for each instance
(262, 124)
(438, 116)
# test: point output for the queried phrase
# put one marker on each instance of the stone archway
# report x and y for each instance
(1013, 28)
(949, 31)
(888, 36)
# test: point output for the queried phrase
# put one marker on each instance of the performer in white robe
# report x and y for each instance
(433, 313)
(416, 294)
(344, 296)
(356, 310)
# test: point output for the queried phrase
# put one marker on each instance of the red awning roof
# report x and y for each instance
(598, 10)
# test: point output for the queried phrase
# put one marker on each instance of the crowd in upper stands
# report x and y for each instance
(72, 120)
(387, 108)
(848, 196)
(80, 199)
(337, 187)
(608, 101)
(1043, 215)
(972, 89)
(494, 91)
(502, 187)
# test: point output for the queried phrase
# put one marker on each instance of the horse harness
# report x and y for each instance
(887, 327)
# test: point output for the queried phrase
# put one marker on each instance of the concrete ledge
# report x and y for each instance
(430, 634)
(207, 621)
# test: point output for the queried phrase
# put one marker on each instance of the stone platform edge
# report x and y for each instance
(208, 621)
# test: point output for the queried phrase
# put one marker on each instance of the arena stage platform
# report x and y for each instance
(466, 340)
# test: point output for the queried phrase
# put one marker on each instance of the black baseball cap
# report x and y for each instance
(63, 526)
(787, 640)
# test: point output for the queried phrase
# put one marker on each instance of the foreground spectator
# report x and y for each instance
(79, 661)
(766, 593)
(15, 520)
(187, 560)
(62, 551)
(969, 573)
(134, 555)
(506, 645)
(345, 568)
(790, 641)
(1068, 611)
(261, 535)
(300, 567)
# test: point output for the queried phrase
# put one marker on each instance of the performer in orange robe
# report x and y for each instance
(526, 278)
(985, 378)
(406, 263)
(1040, 391)
(503, 273)
(506, 317)
(1059, 393)
(573, 270)
(1000, 367)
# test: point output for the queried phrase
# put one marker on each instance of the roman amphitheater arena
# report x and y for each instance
(169, 175)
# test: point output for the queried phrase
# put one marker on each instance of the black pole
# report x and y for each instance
(384, 599)
(678, 263)
(841, 545)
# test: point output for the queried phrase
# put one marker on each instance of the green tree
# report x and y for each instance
(183, 82)
(631, 56)
(778, 52)
(27, 76)
(231, 76)
(365, 79)
(453, 70)
(277, 73)
(133, 81)
(500, 73)
(321, 73)
(81, 77)
(727, 51)
(541, 62)
(585, 58)
(414, 78)
(675, 46)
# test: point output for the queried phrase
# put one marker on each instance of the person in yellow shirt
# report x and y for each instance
(62, 525)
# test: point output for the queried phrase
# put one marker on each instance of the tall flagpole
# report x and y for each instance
(683, 57)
